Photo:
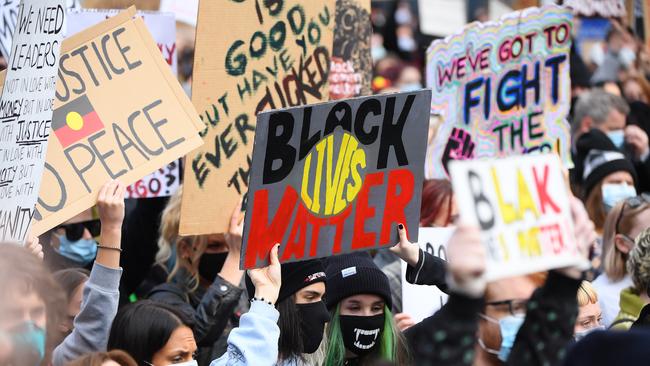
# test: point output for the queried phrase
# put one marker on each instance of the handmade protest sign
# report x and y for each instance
(26, 111)
(521, 205)
(421, 302)
(162, 27)
(502, 89)
(335, 177)
(259, 55)
(351, 67)
(119, 113)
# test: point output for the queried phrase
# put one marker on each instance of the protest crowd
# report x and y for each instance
(506, 220)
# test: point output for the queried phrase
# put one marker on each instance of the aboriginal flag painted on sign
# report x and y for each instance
(75, 120)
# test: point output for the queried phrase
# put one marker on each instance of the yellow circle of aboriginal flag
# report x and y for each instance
(75, 121)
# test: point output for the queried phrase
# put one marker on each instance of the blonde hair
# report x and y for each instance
(614, 260)
(587, 294)
(168, 232)
(198, 244)
(638, 265)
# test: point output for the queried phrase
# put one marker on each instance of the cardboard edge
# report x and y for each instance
(98, 29)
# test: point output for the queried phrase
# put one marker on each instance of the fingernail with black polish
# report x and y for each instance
(401, 227)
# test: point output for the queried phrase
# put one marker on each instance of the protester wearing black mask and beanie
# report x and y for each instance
(303, 313)
(362, 330)
(205, 286)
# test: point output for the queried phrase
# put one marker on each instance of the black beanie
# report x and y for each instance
(354, 274)
(599, 163)
(295, 276)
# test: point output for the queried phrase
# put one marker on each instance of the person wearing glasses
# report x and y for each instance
(635, 297)
(624, 223)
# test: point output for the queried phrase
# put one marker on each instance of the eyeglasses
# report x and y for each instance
(634, 203)
(514, 306)
(74, 232)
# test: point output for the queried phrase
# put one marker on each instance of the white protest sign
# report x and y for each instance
(26, 111)
(162, 27)
(8, 21)
(161, 183)
(421, 302)
(522, 206)
(186, 10)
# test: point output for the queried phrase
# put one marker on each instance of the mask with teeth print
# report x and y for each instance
(361, 333)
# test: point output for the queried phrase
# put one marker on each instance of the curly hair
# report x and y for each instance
(638, 264)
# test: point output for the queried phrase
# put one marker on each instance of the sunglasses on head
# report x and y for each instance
(74, 232)
(633, 203)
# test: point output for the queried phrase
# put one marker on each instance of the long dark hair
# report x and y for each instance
(143, 328)
(290, 344)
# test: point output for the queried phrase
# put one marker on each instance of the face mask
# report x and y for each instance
(406, 44)
(615, 193)
(617, 137)
(361, 333)
(579, 335)
(313, 318)
(509, 327)
(627, 56)
(81, 251)
(211, 264)
(28, 344)
(377, 53)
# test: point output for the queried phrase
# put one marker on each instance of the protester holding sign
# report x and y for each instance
(204, 284)
(362, 330)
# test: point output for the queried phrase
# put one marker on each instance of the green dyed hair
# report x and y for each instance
(390, 341)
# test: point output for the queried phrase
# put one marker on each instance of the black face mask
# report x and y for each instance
(211, 264)
(313, 318)
(361, 333)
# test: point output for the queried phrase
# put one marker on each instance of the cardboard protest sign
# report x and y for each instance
(162, 27)
(502, 89)
(9, 19)
(351, 68)
(26, 111)
(162, 183)
(421, 302)
(335, 177)
(119, 114)
(257, 56)
(521, 205)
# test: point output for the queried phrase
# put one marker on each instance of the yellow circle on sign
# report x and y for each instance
(74, 121)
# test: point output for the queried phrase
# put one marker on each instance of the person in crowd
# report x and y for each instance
(287, 317)
(599, 123)
(409, 79)
(635, 297)
(608, 178)
(165, 259)
(72, 281)
(205, 283)
(73, 244)
(101, 291)
(619, 56)
(31, 310)
(590, 317)
(624, 223)
(447, 337)
(153, 334)
(636, 89)
(111, 358)
(438, 209)
(362, 330)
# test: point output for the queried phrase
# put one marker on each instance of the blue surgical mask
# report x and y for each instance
(81, 251)
(579, 335)
(377, 53)
(509, 327)
(410, 87)
(28, 342)
(617, 137)
(615, 193)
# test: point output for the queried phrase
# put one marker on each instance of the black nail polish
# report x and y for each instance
(401, 227)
